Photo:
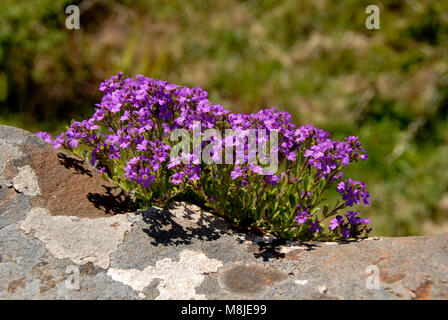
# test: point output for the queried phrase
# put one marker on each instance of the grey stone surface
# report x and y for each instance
(187, 253)
(14, 208)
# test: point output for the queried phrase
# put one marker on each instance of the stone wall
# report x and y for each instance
(65, 233)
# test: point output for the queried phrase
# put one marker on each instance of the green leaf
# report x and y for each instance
(325, 210)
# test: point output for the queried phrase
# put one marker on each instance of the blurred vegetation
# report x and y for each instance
(313, 58)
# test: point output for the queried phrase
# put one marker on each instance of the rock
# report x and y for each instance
(65, 233)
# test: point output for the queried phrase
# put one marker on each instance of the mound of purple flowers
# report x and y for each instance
(128, 138)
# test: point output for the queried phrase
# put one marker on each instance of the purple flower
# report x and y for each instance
(363, 157)
(177, 178)
(101, 170)
(349, 228)
(336, 222)
(142, 146)
(315, 227)
(193, 172)
(125, 116)
(302, 217)
(124, 143)
(45, 136)
(365, 221)
(345, 232)
(353, 192)
(302, 214)
(73, 143)
(145, 177)
(59, 141)
(354, 219)
(256, 169)
(236, 173)
(273, 179)
(93, 160)
(99, 115)
(291, 156)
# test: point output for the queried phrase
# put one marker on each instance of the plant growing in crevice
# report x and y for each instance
(129, 139)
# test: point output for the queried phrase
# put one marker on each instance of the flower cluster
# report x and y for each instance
(303, 214)
(353, 192)
(349, 228)
(327, 155)
(128, 138)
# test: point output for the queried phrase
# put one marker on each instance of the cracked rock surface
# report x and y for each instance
(65, 233)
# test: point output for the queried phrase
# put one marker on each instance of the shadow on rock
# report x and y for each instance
(74, 164)
(271, 248)
(112, 201)
(165, 228)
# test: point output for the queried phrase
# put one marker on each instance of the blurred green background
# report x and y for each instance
(313, 58)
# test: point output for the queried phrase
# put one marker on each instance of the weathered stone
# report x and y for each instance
(80, 240)
(26, 182)
(65, 233)
(70, 188)
(179, 279)
(250, 279)
(13, 207)
(16, 146)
